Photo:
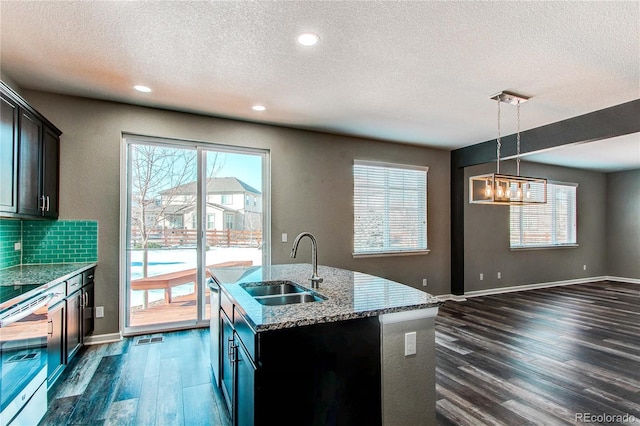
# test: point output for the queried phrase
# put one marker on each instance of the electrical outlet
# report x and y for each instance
(17, 246)
(410, 343)
(481, 276)
(499, 275)
(99, 311)
(584, 267)
(424, 282)
(284, 237)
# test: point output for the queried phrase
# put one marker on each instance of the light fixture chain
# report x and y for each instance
(499, 143)
(518, 141)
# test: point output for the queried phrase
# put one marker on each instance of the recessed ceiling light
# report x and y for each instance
(308, 39)
(141, 88)
(258, 107)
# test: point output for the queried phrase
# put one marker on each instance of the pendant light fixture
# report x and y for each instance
(503, 189)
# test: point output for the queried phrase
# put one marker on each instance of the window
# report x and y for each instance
(228, 221)
(546, 225)
(211, 221)
(227, 199)
(390, 209)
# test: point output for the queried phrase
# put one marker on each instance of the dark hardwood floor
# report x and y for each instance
(551, 357)
(533, 357)
(122, 383)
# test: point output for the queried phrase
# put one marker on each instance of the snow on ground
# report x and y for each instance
(162, 261)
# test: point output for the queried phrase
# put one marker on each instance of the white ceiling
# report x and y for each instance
(411, 72)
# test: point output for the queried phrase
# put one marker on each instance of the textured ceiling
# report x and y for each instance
(410, 72)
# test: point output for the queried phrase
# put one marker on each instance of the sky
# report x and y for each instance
(246, 167)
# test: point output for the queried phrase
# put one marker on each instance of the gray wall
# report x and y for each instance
(623, 224)
(311, 186)
(487, 235)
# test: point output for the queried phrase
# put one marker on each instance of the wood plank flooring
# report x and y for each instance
(536, 357)
(122, 383)
(540, 357)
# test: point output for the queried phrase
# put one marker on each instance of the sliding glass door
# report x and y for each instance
(188, 206)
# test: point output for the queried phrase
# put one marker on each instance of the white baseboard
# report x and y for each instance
(624, 280)
(99, 339)
(486, 292)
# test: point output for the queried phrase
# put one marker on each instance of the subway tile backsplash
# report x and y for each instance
(61, 241)
(10, 234)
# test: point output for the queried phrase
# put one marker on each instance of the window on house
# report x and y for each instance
(228, 221)
(211, 221)
(552, 224)
(227, 199)
(176, 221)
(390, 209)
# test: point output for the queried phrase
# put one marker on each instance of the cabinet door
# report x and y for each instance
(245, 382)
(228, 362)
(55, 341)
(74, 311)
(50, 173)
(8, 155)
(87, 310)
(29, 178)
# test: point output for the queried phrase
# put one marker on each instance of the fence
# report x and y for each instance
(188, 237)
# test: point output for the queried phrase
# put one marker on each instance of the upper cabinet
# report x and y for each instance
(29, 160)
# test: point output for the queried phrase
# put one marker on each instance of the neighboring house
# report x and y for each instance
(231, 204)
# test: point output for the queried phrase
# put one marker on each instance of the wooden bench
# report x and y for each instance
(173, 279)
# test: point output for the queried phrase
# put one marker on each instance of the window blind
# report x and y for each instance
(390, 208)
(546, 225)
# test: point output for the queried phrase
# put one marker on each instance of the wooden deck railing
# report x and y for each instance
(179, 237)
(173, 279)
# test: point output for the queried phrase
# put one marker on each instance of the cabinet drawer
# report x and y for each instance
(246, 334)
(87, 276)
(226, 304)
(59, 292)
(74, 284)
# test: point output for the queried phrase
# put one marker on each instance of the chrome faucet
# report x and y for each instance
(315, 279)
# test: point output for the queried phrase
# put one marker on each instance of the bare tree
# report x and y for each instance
(159, 176)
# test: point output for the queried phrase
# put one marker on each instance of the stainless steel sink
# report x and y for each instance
(283, 287)
(288, 299)
(274, 293)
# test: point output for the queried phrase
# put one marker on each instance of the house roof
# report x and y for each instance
(220, 185)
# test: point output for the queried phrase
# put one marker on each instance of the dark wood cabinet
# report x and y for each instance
(29, 177)
(73, 325)
(55, 342)
(29, 159)
(327, 373)
(50, 173)
(8, 154)
(88, 302)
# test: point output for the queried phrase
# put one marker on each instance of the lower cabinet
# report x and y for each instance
(71, 320)
(55, 340)
(74, 317)
(309, 375)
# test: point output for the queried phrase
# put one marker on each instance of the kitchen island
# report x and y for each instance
(362, 353)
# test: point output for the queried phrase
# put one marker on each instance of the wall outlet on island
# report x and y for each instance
(584, 267)
(99, 311)
(499, 275)
(481, 276)
(424, 282)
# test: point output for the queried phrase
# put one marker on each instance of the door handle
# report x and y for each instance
(41, 207)
(48, 203)
(50, 327)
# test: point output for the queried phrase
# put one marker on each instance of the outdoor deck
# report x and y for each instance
(182, 308)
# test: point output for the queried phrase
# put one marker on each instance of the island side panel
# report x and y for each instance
(408, 382)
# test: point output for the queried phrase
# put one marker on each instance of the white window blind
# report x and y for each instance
(390, 208)
(546, 225)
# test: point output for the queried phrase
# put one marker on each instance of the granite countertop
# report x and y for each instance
(349, 295)
(23, 281)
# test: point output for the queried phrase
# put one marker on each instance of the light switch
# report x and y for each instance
(410, 343)
(99, 311)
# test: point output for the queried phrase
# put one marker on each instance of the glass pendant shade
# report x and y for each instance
(494, 188)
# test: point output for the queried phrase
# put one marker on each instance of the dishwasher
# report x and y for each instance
(24, 327)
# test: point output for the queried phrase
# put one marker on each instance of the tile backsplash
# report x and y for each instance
(61, 241)
(10, 234)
